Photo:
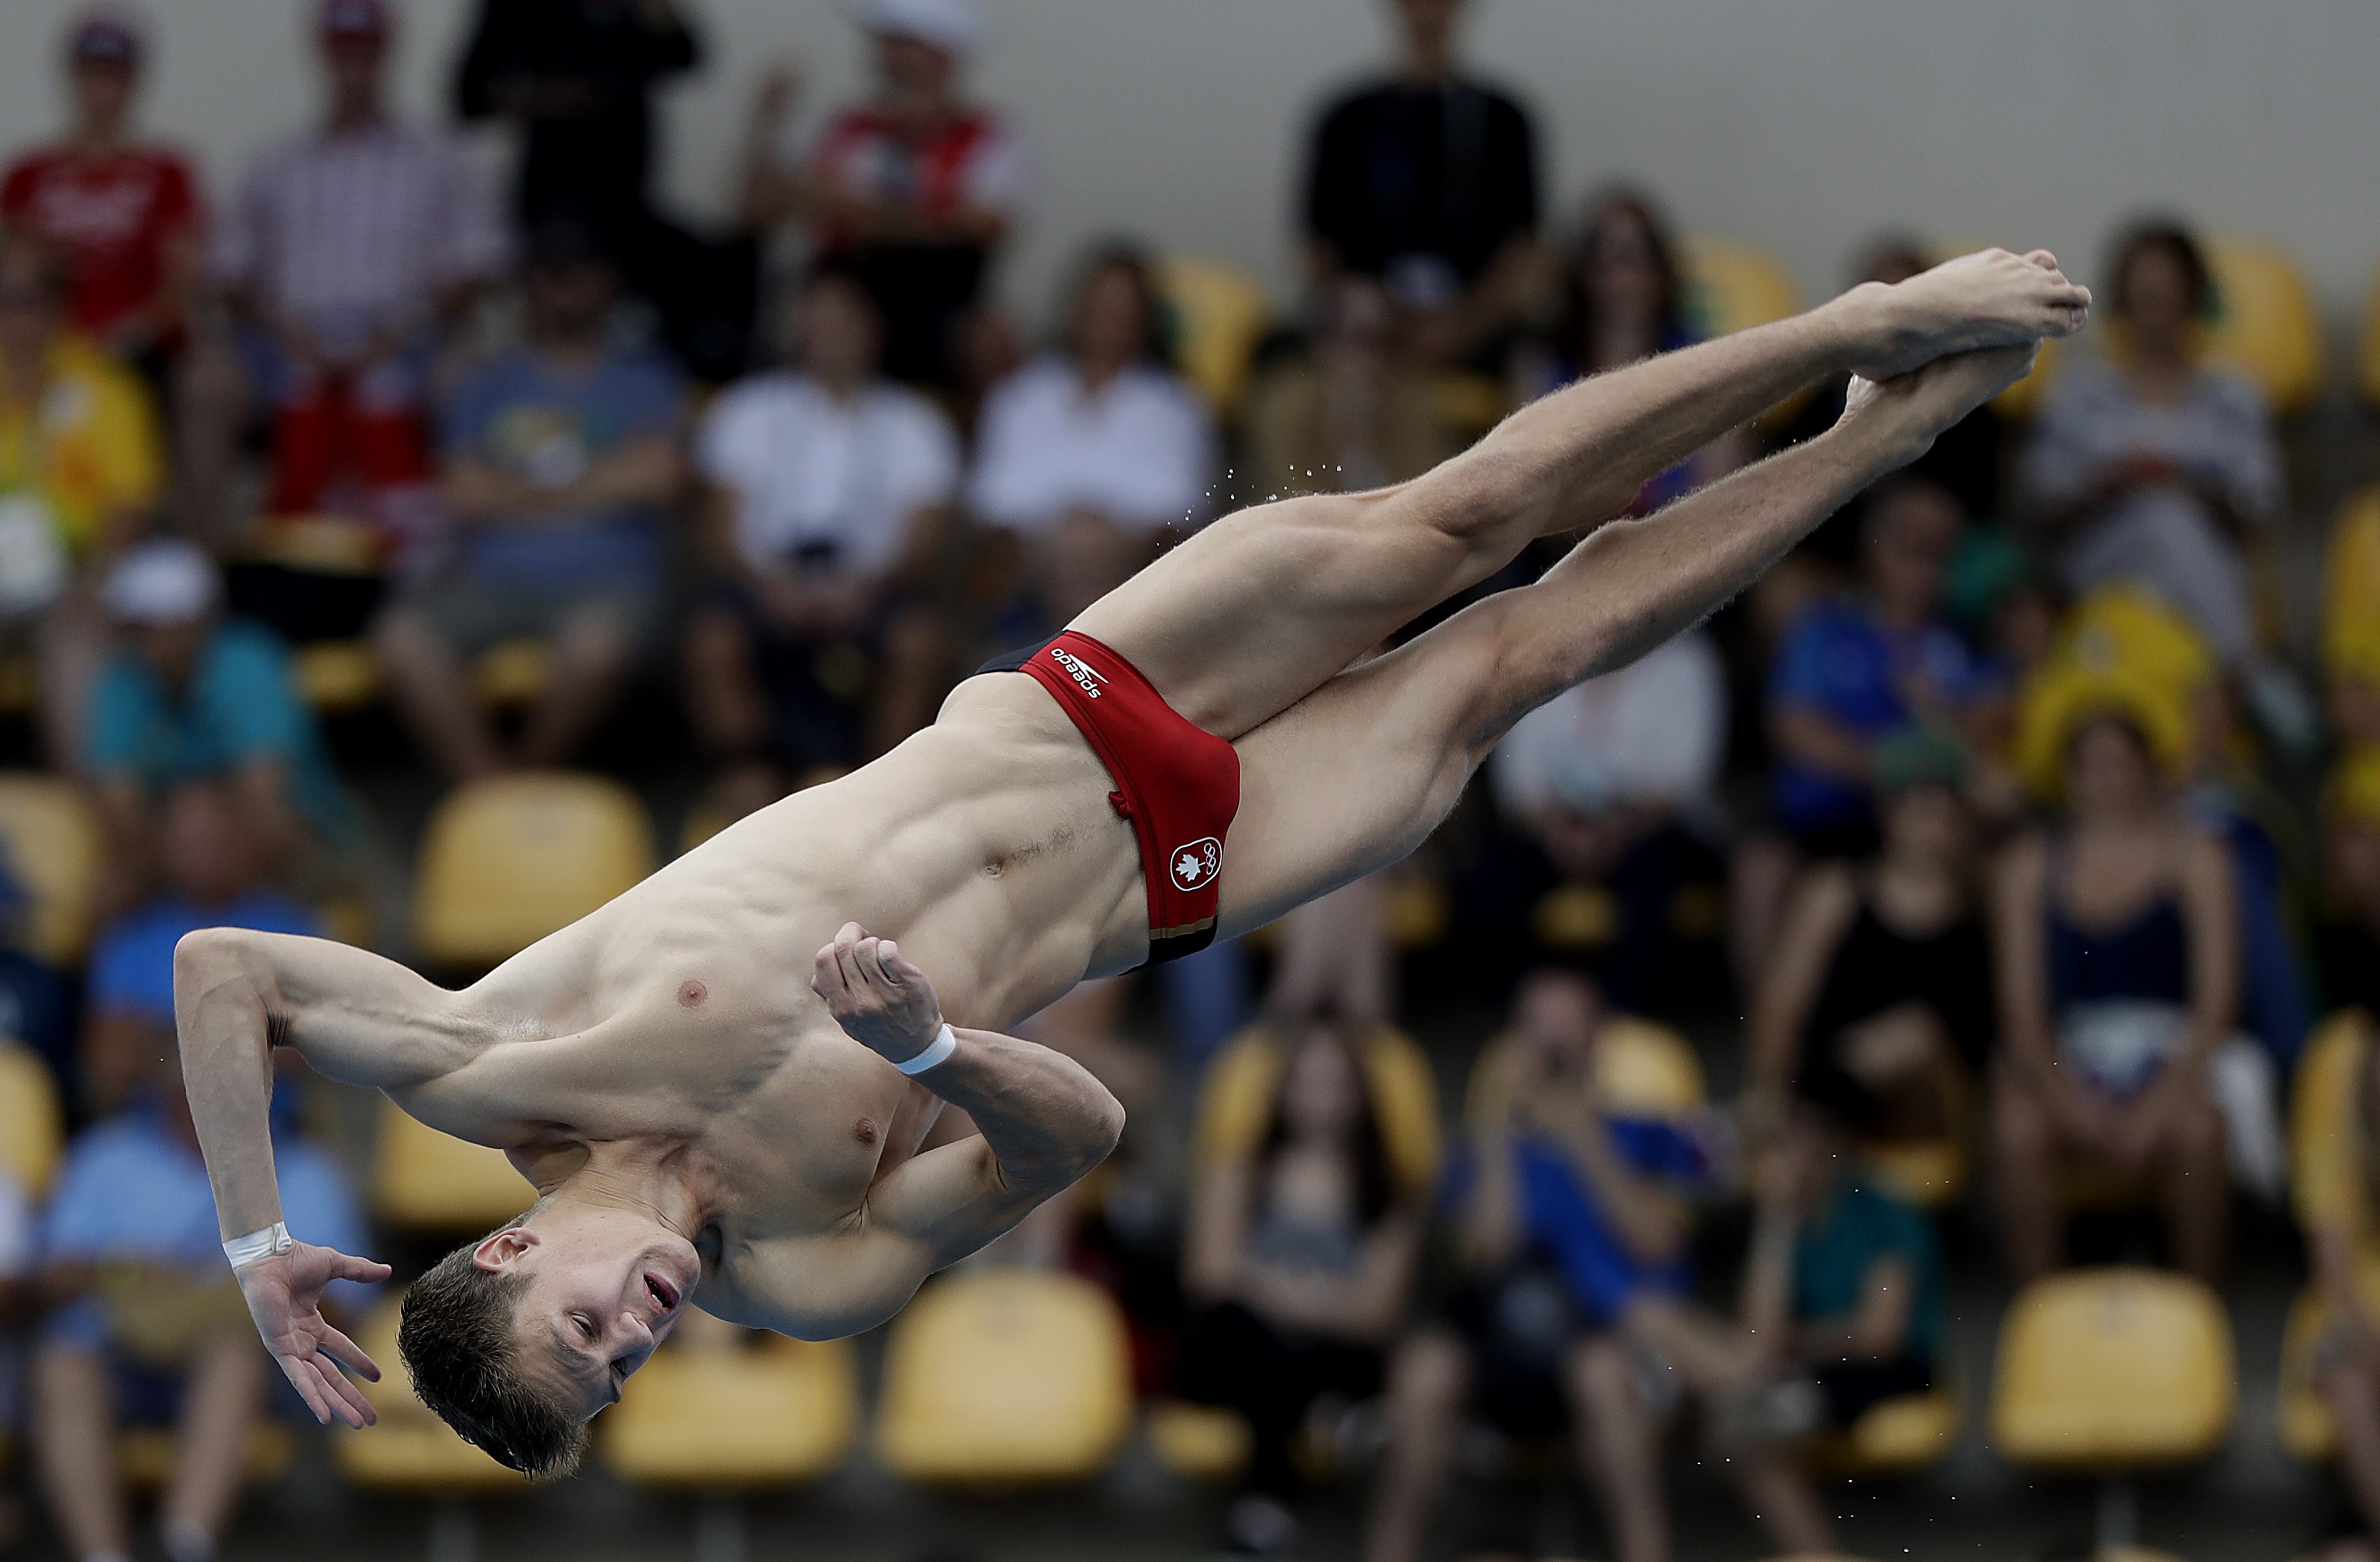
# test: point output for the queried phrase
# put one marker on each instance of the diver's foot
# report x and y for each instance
(1988, 299)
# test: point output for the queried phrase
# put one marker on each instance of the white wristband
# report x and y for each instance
(938, 1052)
(245, 1251)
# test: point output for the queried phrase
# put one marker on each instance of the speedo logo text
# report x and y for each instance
(1084, 676)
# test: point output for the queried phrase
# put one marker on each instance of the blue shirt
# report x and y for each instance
(132, 959)
(241, 706)
(131, 1189)
(1840, 662)
(1561, 1222)
(547, 428)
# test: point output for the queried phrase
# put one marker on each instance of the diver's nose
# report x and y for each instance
(640, 1333)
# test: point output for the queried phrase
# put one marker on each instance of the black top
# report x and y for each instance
(1399, 171)
(2350, 966)
(587, 151)
(1875, 969)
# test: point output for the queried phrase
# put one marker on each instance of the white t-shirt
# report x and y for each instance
(835, 482)
(1654, 731)
(1141, 452)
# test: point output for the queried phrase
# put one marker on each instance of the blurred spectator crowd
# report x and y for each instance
(2013, 846)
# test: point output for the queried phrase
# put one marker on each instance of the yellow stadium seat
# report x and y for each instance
(409, 1449)
(1576, 917)
(2113, 1369)
(55, 847)
(321, 544)
(2265, 319)
(427, 1181)
(507, 861)
(2367, 360)
(1731, 287)
(32, 1123)
(513, 673)
(1005, 1377)
(2351, 585)
(1219, 312)
(1235, 1101)
(2321, 1096)
(144, 1456)
(720, 1409)
(1899, 1436)
(1203, 1443)
(2306, 1427)
(1643, 1068)
(1929, 1173)
(337, 675)
(20, 682)
(1470, 404)
(2020, 400)
(1418, 913)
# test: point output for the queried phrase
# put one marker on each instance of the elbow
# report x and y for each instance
(208, 955)
(1106, 1129)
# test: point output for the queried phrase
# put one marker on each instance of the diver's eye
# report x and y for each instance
(585, 1326)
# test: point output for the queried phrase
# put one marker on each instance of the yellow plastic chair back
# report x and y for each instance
(1731, 286)
(1898, 1436)
(1235, 1101)
(1005, 1377)
(2325, 1115)
(513, 673)
(54, 848)
(33, 1122)
(1643, 1068)
(321, 544)
(2350, 590)
(409, 1449)
(2265, 321)
(1219, 313)
(2367, 362)
(337, 675)
(507, 861)
(2112, 1370)
(144, 1456)
(733, 1414)
(1207, 1443)
(427, 1181)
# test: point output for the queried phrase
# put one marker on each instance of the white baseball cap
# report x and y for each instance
(167, 581)
(952, 26)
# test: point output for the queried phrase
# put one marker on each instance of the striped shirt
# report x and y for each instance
(353, 230)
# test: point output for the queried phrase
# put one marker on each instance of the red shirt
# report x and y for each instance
(111, 217)
(967, 159)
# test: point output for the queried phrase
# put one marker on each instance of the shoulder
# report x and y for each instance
(1354, 102)
(1830, 894)
(2232, 391)
(27, 170)
(1157, 391)
(2021, 865)
(773, 393)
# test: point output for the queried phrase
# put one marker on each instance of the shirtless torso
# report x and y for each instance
(707, 1061)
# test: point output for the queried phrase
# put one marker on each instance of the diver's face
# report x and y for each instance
(606, 1289)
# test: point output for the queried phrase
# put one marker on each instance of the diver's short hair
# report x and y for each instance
(457, 1338)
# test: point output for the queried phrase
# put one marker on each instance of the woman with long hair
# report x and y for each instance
(1299, 1261)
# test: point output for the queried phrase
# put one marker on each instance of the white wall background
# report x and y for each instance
(1802, 125)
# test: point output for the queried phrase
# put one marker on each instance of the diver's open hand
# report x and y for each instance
(882, 1001)
(284, 1296)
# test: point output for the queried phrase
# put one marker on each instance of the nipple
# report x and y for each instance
(865, 1130)
(692, 994)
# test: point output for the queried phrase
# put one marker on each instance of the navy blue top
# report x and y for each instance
(2145, 960)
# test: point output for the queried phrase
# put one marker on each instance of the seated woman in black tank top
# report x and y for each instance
(2117, 967)
(1884, 971)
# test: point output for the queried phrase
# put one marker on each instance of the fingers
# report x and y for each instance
(869, 956)
(349, 1404)
(2043, 259)
(340, 1347)
(308, 1384)
(346, 1266)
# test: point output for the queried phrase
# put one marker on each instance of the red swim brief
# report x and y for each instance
(1178, 782)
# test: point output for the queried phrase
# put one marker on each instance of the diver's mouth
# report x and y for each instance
(666, 1295)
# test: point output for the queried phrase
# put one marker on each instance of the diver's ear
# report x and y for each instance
(499, 1250)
